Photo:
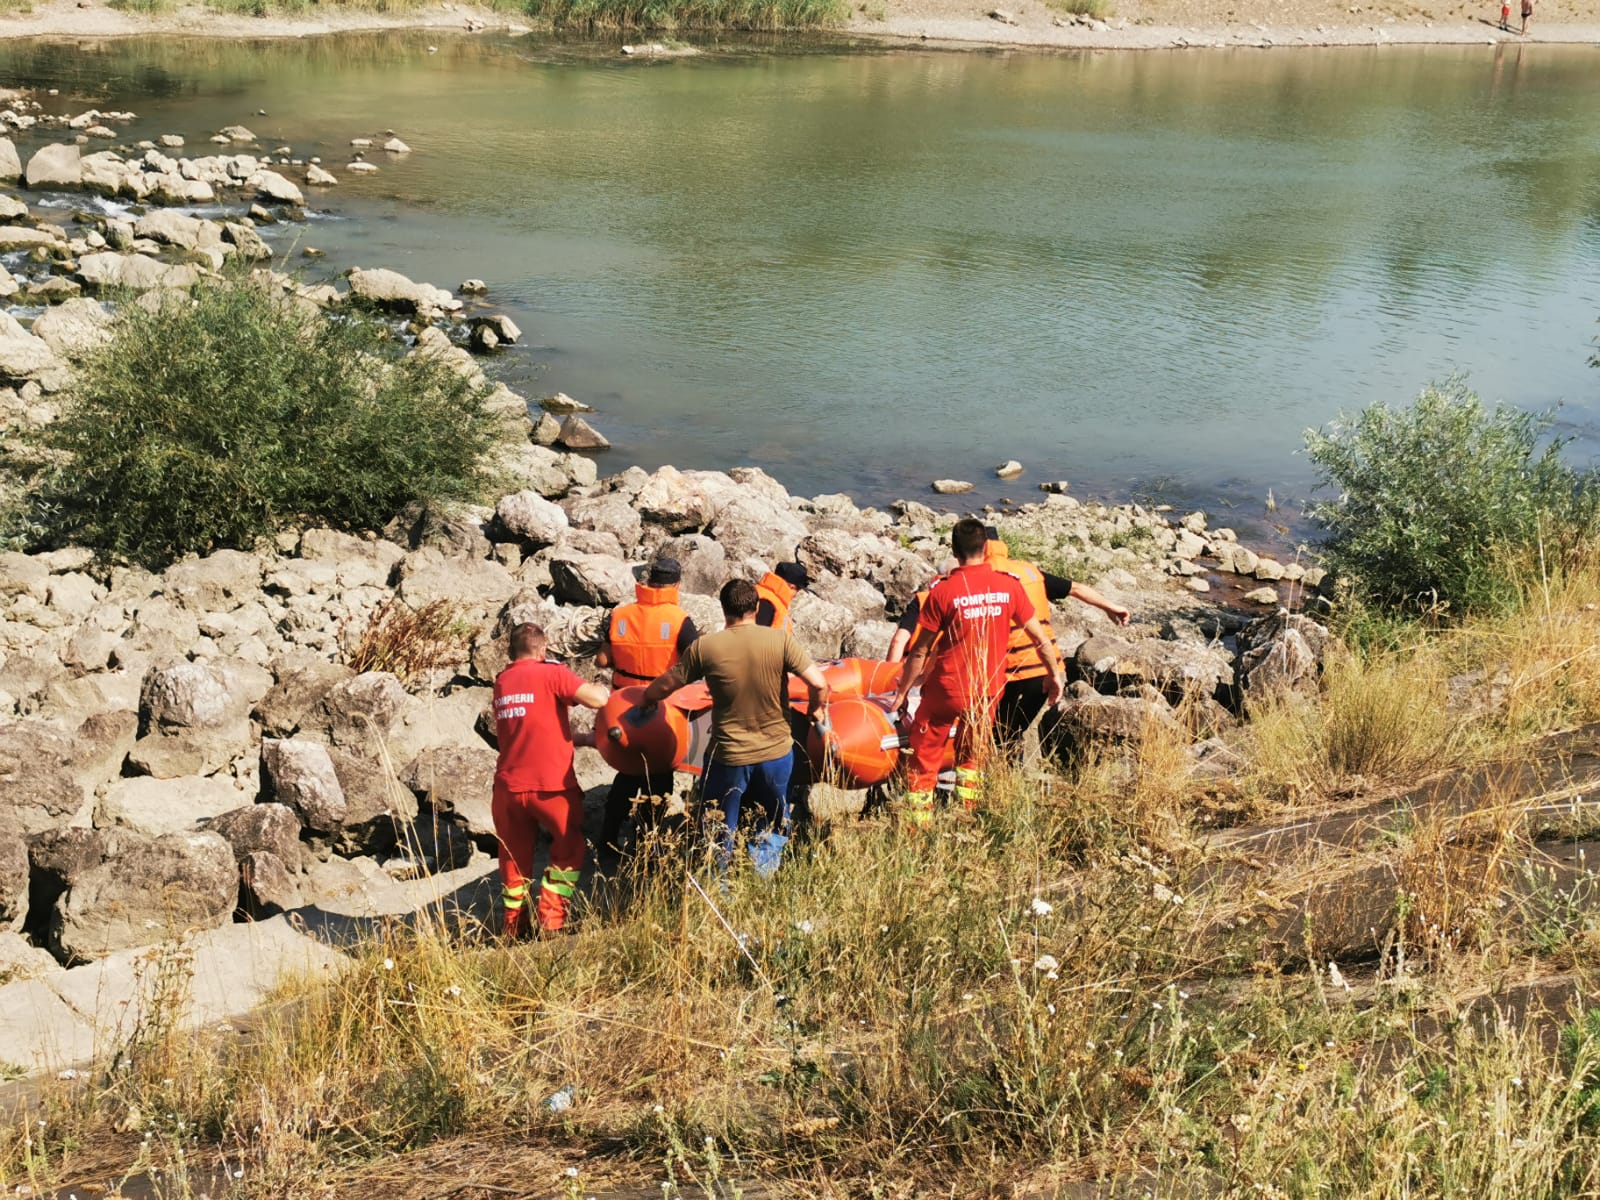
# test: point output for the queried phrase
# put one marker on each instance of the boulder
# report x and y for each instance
(504, 328)
(545, 430)
(10, 163)
(427, 575)
(246, 241)
(39, 788)
(298, 773)
(1267, 597)
(57, 859)
(868, 639)
(219, 582)
(530, 517)
(157, 806)
(377, 804)
(864, 602)
(74, 328)
(13, 878)
(387, 289)
(275, 187)
(253, 828)
(148, 890)
(1091, 722)
(235, 133)
(421, 526)
(951, 487)
(754, 526)
(21, 237)
(578, 434)
(190, 695)
(318, 177)
(268, 886)
(133, 272)
(362, 711)
(21, 959)
(24, 356)
(819, 625)
(674, 501)
(1281, 653)
(55, 166)
(303, 681)
(1174, 668)
(457, 781)
(610, 513)
(591, 579)
(176, 229)
(704, 562)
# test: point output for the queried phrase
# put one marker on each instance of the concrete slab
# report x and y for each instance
(38, 1031)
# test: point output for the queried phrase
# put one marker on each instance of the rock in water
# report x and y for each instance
(276, 187)
(1262, 595)
(10, 163)
(317, 177)
(396, 146)
(951, 487)
(236, 133)
(473, 287)
(1009, 469)
(578, 434)
(55, 166)
(561, 404)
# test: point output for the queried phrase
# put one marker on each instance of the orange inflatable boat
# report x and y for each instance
(856, 744)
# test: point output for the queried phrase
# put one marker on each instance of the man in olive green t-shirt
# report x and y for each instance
(747, 668)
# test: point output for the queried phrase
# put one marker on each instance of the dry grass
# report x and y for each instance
(410, 643)
(1030, 996)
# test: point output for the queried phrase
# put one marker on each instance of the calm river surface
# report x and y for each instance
(1143, 272)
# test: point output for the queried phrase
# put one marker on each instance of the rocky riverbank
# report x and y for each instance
(249, 734)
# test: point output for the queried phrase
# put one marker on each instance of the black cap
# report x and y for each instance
(665, 572)
(793, 574)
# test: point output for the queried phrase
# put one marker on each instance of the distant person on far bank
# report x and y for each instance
(746, 668)
(535, 786)
(1505, 15)
(1527, 11)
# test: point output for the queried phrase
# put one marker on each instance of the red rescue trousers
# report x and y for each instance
(930, 732)
(518, 818)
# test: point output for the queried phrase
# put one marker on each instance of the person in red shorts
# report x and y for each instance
(535, 787)
(967, 618)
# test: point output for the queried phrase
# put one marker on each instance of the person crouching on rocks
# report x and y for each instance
(535, 786)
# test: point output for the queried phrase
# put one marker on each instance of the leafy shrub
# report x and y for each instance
(207, 425)
(1439, 502)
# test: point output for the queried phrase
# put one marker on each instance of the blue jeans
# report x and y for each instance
(732, 788)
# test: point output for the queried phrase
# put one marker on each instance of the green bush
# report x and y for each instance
(1440, 502)
(207, 425)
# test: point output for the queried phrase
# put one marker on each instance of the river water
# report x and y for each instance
(1143, 272)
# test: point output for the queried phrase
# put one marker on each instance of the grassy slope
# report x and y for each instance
(905, 1016)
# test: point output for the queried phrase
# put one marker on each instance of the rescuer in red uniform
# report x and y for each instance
(535, 787)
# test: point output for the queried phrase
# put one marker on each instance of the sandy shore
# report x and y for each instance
(1139, 25)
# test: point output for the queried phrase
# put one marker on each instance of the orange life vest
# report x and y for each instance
(780, 595)
(644, 635)
(1022, 660)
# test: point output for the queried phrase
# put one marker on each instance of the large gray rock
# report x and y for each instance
(610, 512)
(55, 166)
(273, 828)
(675, 501)
(457, 781)
(868, 639)
(361, 712)
(177, 229)
(148, 890)
(529, 516)
(704, 562)
(1281, 653)
(755, 526)
(220, 582)
(377, 805)
(1175, 668)
(21, 237)
(427, 575)
(24, 356)
(134, 272)
(387, 289)
(591, 579)
(820, 625)
(276, 187)
(190, 695)
(577, 434)
(1093, 723)
(13, 877)
(304, 681)
(157, 806)
(73, 328)
(864, 601)
(10, 164)
(38, 784)
(21, 959)
(269, 885)
(298, 773)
